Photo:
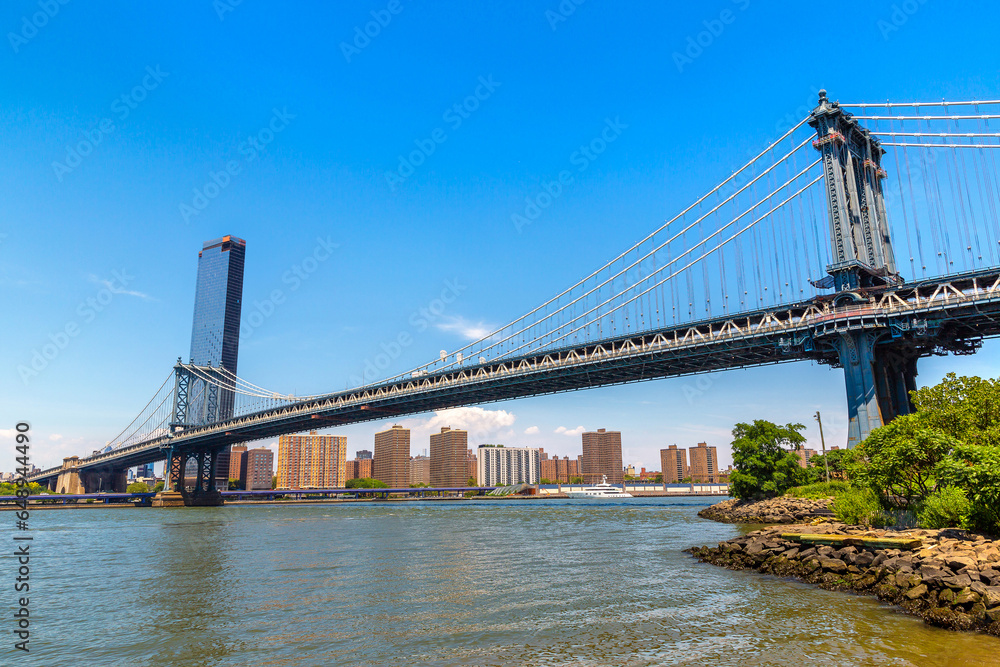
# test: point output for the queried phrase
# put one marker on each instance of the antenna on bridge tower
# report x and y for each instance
(859, 227)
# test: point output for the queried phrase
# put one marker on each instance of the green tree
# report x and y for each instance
(137, 487)
(471, 482)
(158, 487)
(898, 460)
(965, 408)
(658, 479)
(365, 483)
(576, 480)
(763, 467)
(816, 472)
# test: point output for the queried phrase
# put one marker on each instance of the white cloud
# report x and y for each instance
(570, 431)
(55, 437)
(531, 430)
(114, 289)
(464, 328)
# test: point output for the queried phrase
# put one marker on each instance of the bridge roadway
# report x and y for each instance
(951, 314)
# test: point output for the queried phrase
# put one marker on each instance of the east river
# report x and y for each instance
(562, 582)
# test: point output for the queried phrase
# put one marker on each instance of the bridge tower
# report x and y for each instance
(880, 369)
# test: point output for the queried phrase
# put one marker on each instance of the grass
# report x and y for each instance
(819, 490)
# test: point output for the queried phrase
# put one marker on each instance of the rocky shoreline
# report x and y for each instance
(782, 509)
(950, 578)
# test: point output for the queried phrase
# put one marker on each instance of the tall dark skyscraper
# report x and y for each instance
(215, 334)
(218, 302)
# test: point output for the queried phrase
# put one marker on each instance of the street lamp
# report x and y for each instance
(822, 443)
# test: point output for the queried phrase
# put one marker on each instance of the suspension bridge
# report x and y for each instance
(865, 238)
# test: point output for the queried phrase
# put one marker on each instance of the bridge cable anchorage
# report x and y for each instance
(472, 346)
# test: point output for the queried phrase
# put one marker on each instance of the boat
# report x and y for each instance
(602, 490)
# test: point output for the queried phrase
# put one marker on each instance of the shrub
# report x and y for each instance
(860, 507)
(137, 487)
(976, 470)
(819, 490)
(947, 507)
(898, 460)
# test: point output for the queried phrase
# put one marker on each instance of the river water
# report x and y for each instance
(555, 582)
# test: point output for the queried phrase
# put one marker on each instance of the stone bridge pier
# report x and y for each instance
(73, 480)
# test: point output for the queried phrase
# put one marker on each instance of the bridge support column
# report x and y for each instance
(69, 480)
(878, 379)
(175, 491)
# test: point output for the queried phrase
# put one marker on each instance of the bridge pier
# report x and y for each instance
(879, 379)
(177, 492)
(69, 480)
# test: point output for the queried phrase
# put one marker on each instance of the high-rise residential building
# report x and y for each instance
(359, 469)
(503, 466)
(215, 331)
(420, 470)
(704, 463)
(449, 458)
(472, 466)
(673, 462)
(258, 469)
(392, 457)
(363, 454)
(312, 461)
(602, 455)
(237, 460)
(804, 455)
(559, 470)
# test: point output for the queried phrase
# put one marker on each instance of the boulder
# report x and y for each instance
(833, 565)
(917, 592)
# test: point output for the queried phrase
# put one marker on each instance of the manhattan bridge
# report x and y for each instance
(865, 238)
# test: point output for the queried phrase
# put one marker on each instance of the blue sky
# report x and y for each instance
(131, 134)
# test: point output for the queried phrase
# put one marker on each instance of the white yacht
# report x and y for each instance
(602, 490)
